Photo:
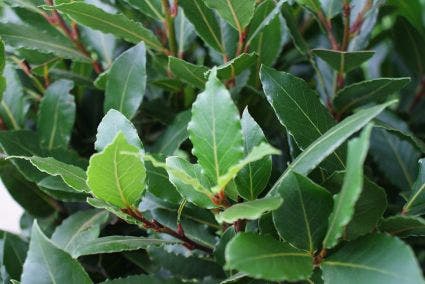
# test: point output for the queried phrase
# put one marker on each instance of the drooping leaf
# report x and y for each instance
(79, 229)
(266, 258)
(26, 36)
(204, 21)
(188, 72)
(118, 25)
(343, 61)
(116, 176)
(296, 104)
(403, 226)
(250, 210)
(112, 123)
(14, 254)
(352, 186)
(215, 130)
(332, 139)
(372, 259)
(302, 220)
(56, 115)
(416, 203)
(46, 263)
(127, 82)
(362, 93)
(253, 178)
(237, 13)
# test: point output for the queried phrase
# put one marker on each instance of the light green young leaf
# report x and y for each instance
(19, 35)
(345, 201)
(237, 13)
(115, 175)
(204, 21)
(416, 203)
(374, 259)
(302, 220)
(250, 210)
(127, 81)
(265, 258)
(46, 263)
(79, 229)
(343, 61)
(112, 123)
(256, 154)
(118, 25)
(215, 130)
(73, 176)
(56, 115)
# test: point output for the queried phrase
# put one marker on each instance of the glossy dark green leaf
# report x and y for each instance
(416, 203)
(26, 36)
(112, 123)
(266, 258)
(118, 25)
(56, 115)
(302, 219)
(236, 66)
(127, 82)
(362, 93)
(253, 178)
(403, 226)
(79, 229)
(313, 5)
(237, 13)
(295, 34)
(215, 130)
(296, 104)
(46, 263)
(372, 259)
(117, 175)
(14, 254)
(188, 72)
(151, 8)
(343, 61)
(204, 21)
(352, 186)
(412, 11)
(219, 251)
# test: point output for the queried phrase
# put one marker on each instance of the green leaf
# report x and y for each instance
(416, 203)
(112, 123)
(395, 157)
(14, 254)
(45, 263)
(265, 258)
(256, 154)
(374, 259)
(403, 226)
(313, 5)
(250, 210)
(127, 81)
(327, 143)
(215, 130)
(412, 11)
(117, 177)
(26, 193)
(112, 244)
(55, 187)
(237, 13)
(56, 115)
(343, 61)
(137, 279)
(302, 220)
(297, 38)
(78, 229)
(236, 66)
(73, 176)
(296, 104)
(174, 135)
(187, 72)
(204, 21)
(187, 189)
(332, 7)
(352, 186)
(26, 36)
(118, 25)
(2, 66)
(151, 8)
(253, 178)
(13, 106)
(362, 93)
(100, 204)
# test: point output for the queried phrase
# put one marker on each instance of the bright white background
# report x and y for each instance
(10, 212)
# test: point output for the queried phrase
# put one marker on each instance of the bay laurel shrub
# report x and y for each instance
(213, 141)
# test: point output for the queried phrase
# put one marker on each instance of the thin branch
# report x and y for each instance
(170, 13)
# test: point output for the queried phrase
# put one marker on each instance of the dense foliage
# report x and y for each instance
(214, 141)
